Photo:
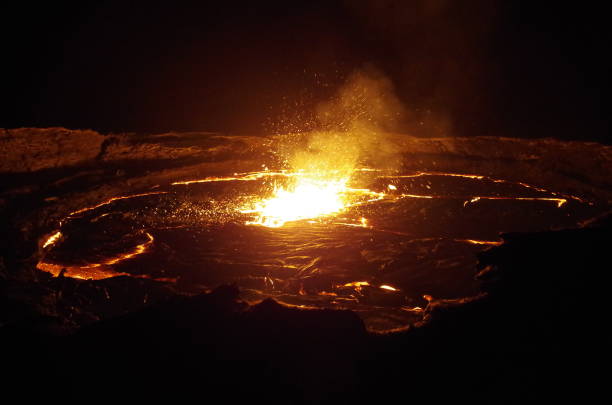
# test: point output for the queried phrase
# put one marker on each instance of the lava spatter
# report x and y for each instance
(303, 237)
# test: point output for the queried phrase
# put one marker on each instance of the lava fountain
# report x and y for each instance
(308, 198)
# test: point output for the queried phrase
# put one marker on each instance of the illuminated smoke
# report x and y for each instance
(352, 127)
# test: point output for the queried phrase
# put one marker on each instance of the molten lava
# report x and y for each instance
(330, 236)
(308, 198)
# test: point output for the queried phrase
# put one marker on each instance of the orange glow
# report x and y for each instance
(319, 187)
(421, 174)
(357, 284)
(480, 242)
(558, 201)
(412, 309)
(96, 271)
(52, 239)
(315, 194)
(418, 196)
(113, 199)
(236, 177)
(472, 200)
(138, 250)
(83, 273)
(309, 198)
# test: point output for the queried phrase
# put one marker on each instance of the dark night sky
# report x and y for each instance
(482, 67)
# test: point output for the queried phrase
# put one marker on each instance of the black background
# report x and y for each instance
(522, 69)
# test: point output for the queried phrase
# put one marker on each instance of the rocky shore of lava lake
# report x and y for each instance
(534, 333)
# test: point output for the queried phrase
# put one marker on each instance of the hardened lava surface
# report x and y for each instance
(410, 237)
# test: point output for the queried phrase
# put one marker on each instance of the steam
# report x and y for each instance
(367, 101)
(353, 127)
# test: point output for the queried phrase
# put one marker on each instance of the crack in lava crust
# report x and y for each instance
(376, 243)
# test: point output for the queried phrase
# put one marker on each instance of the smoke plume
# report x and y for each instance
(352, 127)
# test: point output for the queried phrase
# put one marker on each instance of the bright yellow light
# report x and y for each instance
(357, 284)
(308, 198)
(52, 239)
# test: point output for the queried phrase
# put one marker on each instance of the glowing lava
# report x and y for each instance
(299, 195)
(52, 239)
(308, 198)
(93, 271)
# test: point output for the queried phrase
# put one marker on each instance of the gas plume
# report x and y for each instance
(352, 128)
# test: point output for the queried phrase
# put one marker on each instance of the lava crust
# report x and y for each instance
(468, 252)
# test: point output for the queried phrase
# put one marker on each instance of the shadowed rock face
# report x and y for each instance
(58, 154)
(184, 338)
(33, 149)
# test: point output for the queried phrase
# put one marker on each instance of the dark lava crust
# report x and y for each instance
(533, 334)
